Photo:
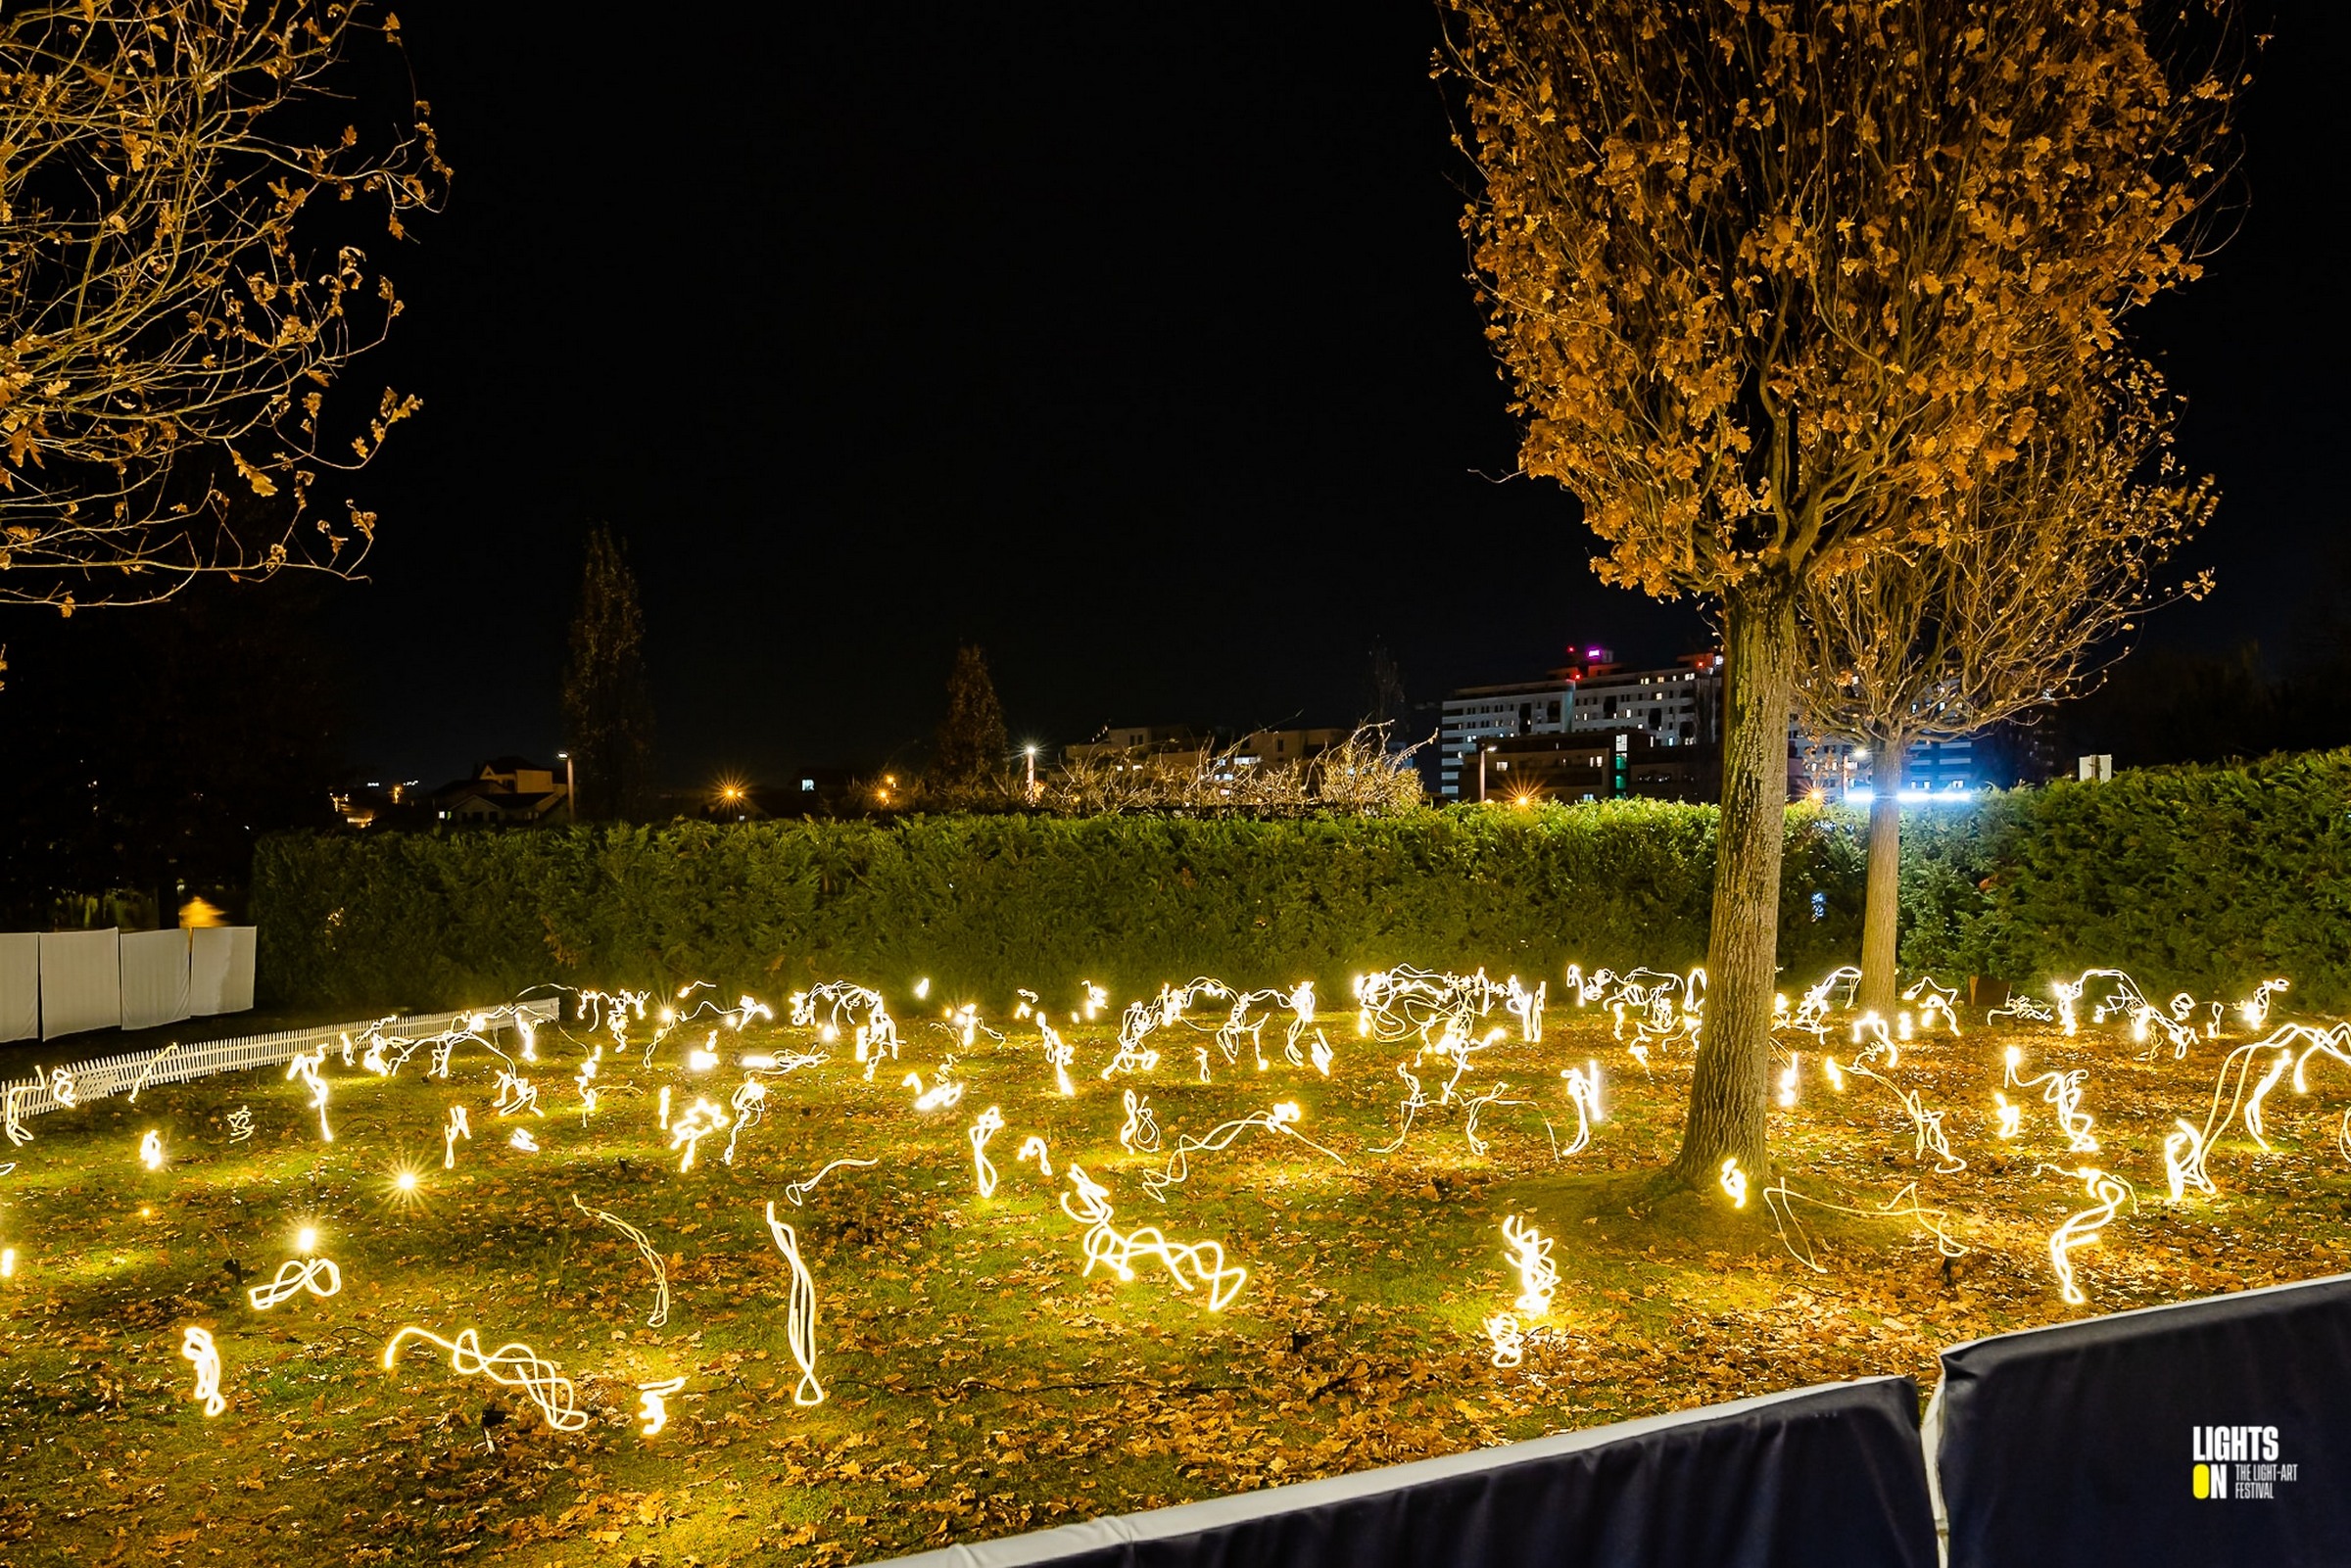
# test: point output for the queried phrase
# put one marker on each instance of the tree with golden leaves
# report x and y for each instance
(2012, 602)
(181, 285)
(1758, 270)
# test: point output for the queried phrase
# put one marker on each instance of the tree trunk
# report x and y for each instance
(1881, 905)
(1729, 1088)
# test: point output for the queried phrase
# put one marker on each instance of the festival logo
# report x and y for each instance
(2238, 1464)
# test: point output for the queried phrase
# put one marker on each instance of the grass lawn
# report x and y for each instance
(978, 1380)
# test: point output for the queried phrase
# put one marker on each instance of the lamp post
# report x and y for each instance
(1030, 753)
(571, 795)
(1483, 751)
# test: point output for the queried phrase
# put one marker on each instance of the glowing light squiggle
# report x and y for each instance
(1935, 1001)
(318, 1275)
(1413, 1103)
(2021, 1007)
(876, 1033)
(800, 1323)
(196, 1346)
(1835, 992)
(1734, 1182)
(1032, 1146)
(645, 1249)
(511, 1365)
(516, 1095)
(1282, 1118)
(1583, 1093)
(1478, 1105)
(700, 1120)
(457, 1128)
(1105, 1244)
(2255, 1008)
(2064, 1095)
(1138, 1132)
(1530, 1254)
(1396, 1004)
(984, 1169)
(1060, 1053)
(1926, 1126)
(1508, 1340)
(799, 1191)
(1780, 1200)
(2123, 999)
(750, 1108)
(2107, 1194)
(148, 1071)
(151, 1150)
(2184, 1160)
(306, 1068)
(652, 1404)
(240, 1124)
(520, 1138)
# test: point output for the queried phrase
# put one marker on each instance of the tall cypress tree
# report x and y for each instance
(971, 737)
(608, 711)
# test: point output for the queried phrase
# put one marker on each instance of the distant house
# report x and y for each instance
(1148, 748)
(503, 789)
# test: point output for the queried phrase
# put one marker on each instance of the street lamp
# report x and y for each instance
(1030, 753)
(571, 796)
(1482, 753)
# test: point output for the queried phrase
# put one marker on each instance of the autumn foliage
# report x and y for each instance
(2016, 601)
(180, 287)
(1775, 285)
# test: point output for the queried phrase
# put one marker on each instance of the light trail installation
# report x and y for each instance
(2107, 1194)
(645, 1249)
(510, 1366)
(1282, 1118)
(196, 1346)
(306, 1068)
(652, 1408)
(984, 1169)
(318, 1275)
(797, 1192)
(800, 1323)
(1508, 1340)
(1088, 1204)
(1530, 1254)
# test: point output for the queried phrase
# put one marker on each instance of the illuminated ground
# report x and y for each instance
(977, 1384)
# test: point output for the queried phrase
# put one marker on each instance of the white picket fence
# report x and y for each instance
(105, 1076)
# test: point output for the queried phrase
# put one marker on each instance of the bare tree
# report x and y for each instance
(1756, 271)
(171, 310)
(1363, 776)
(2012, 602)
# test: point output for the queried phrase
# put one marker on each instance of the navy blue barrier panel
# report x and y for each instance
(1830, 1477)
(2215, 1432)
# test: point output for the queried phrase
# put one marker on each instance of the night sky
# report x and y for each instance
(1134, 347)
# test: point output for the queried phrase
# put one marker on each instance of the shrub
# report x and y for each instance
(2206, 879)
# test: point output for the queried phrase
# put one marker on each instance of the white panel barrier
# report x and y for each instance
(154, 977)
(82, 982)
(105, 1076)
(19, 985)
(219, 969)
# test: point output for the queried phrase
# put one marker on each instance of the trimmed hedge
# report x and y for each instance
(2204, 879)
(984, 904)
